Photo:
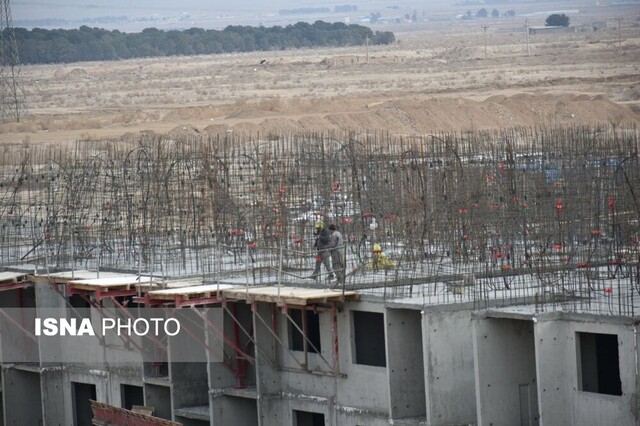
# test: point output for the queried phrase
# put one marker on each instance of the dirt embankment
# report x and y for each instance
(419, 116)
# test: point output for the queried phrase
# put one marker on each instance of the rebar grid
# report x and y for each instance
(528, 216)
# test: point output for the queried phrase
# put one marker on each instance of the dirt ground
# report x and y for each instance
(434, 78)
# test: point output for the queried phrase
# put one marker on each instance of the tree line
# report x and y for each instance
(40, 46)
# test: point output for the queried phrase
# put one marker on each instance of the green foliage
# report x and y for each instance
(40, 46)
(482, 13)
(557, 20)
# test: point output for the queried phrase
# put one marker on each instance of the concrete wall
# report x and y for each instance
(190, 385)
(449, 367)
(359, 395)
(366, 387)
(18, 347)
(21, 397)
(230, 410)
(561, 400)
(56, 397)
(405, 363)
(158, 397)
(505, 372)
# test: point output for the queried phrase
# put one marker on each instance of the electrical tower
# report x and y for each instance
(12, 96)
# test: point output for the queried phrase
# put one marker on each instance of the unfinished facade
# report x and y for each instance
(508, 293)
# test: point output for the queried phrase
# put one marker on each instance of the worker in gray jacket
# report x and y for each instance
(338, 258)
(322, 245)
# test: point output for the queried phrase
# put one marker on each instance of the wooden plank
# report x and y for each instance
(170, 284)
(104, 285)
(298, 296)
(109, 414)
(109, 282)
(188, 292)
(12, 277)
(66, 276)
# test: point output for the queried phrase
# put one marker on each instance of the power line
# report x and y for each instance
(526, 28)
(484, 27)
(11, 90)
(619, 32)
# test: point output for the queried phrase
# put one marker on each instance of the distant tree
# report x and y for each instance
(482, 13)
(94, 44)
(383, 37)
(557, 20)
(375, 17)
(510, 13)
(468, 15)
(495, 13)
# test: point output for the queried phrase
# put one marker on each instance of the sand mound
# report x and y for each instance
(429, 115)
(74, 74)
(183, 131)
(419, 116)
(217, 130)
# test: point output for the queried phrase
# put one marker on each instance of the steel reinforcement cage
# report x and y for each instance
(548, 217)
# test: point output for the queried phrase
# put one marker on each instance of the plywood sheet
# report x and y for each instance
(66, 276)
(299, 296)
(169, 283)
(120, 282)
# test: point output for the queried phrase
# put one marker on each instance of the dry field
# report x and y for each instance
(434, 78)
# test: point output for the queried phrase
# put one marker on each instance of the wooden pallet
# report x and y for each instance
(186, 296)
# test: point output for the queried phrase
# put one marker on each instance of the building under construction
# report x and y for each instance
(504, 292)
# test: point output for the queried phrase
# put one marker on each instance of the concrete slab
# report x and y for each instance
(200, 412)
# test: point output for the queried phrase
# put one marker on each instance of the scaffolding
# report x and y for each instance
(547, 217)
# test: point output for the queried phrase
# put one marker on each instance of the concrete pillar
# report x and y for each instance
(449, 367)
(405, 363)
(55, 397)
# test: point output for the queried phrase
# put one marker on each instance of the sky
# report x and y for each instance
(179, 14)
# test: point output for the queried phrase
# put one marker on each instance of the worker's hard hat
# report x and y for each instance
(319, 224)
(377, 248)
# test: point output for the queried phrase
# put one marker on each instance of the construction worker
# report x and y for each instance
(380, 260)
(323, 239)
(338, 258)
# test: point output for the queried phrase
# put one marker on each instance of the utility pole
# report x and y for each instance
(619, 32)
(11, 92)
(484, 27)
(526, 28)
(367, 44)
